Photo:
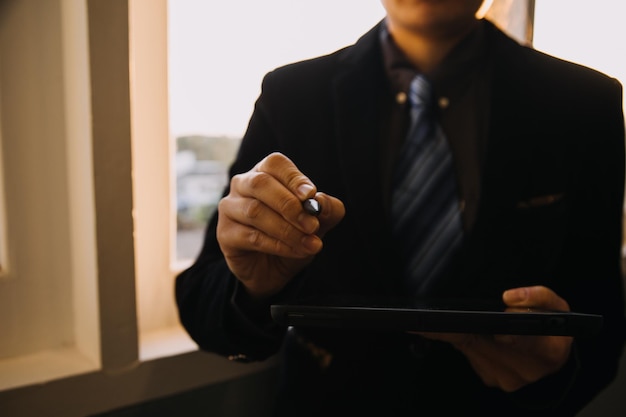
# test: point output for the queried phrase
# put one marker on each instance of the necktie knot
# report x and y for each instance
(420, 92)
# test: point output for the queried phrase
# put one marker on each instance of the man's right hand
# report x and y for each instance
(262, 229)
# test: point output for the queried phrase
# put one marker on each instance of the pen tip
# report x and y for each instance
(312, 206)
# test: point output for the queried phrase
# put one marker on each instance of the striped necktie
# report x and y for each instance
(425, 207)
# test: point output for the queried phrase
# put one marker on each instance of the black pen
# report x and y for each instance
(312, 206)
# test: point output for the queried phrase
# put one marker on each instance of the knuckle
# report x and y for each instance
(277, 247)
(295, 179)
(288, 204)
(271, 162)
(260, 242)
(236, 178)
(273, 159)
(254, 238)
(285, 232)
(236, 181)
(221, 233)
(252, 209)
(259, 180)
(292, 176)
(222, 203)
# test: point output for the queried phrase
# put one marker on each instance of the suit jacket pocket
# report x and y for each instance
(539, 201)
(533, 235)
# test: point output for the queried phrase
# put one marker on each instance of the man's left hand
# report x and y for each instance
(510, 362)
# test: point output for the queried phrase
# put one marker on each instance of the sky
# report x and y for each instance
(220, 50)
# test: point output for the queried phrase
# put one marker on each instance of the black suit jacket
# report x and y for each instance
(549, 213)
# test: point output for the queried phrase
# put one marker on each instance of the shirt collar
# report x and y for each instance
(450, 79)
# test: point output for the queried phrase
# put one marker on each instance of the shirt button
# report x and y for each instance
(240, 357)
(401, 97)
(443, 102)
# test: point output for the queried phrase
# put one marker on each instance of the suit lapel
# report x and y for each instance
(512, 122)
(358, 93)
(358, 130)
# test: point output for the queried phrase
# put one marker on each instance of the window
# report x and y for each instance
(217, 58)
(591, 34)
(68, 311)
(218, 54)
(90, 257)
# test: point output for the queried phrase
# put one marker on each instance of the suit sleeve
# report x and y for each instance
(595, 267)
(593, 279)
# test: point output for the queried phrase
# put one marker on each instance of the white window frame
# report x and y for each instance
(48, 315)
(5, 266)
(82, 57)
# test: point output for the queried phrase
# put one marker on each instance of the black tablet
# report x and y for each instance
(433, 315)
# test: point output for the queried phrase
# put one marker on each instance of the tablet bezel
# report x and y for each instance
(433, 315)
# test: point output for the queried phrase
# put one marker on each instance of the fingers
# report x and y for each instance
(248, 225)
(534, 296)
(484, 353)
(258, 196)
(492, 369)
(287, 174)
(332, 212)
(263, 211)
(511, 362)
(279, 186)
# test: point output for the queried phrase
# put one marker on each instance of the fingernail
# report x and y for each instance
(304, 191)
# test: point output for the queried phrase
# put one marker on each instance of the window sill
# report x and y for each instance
(165, 342)
(43, 367)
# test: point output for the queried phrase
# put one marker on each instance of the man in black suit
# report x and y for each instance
(538, 151)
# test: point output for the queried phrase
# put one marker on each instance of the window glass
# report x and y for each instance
(218, 54)
(589, 33)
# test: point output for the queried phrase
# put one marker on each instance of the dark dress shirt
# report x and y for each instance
(461, 90)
